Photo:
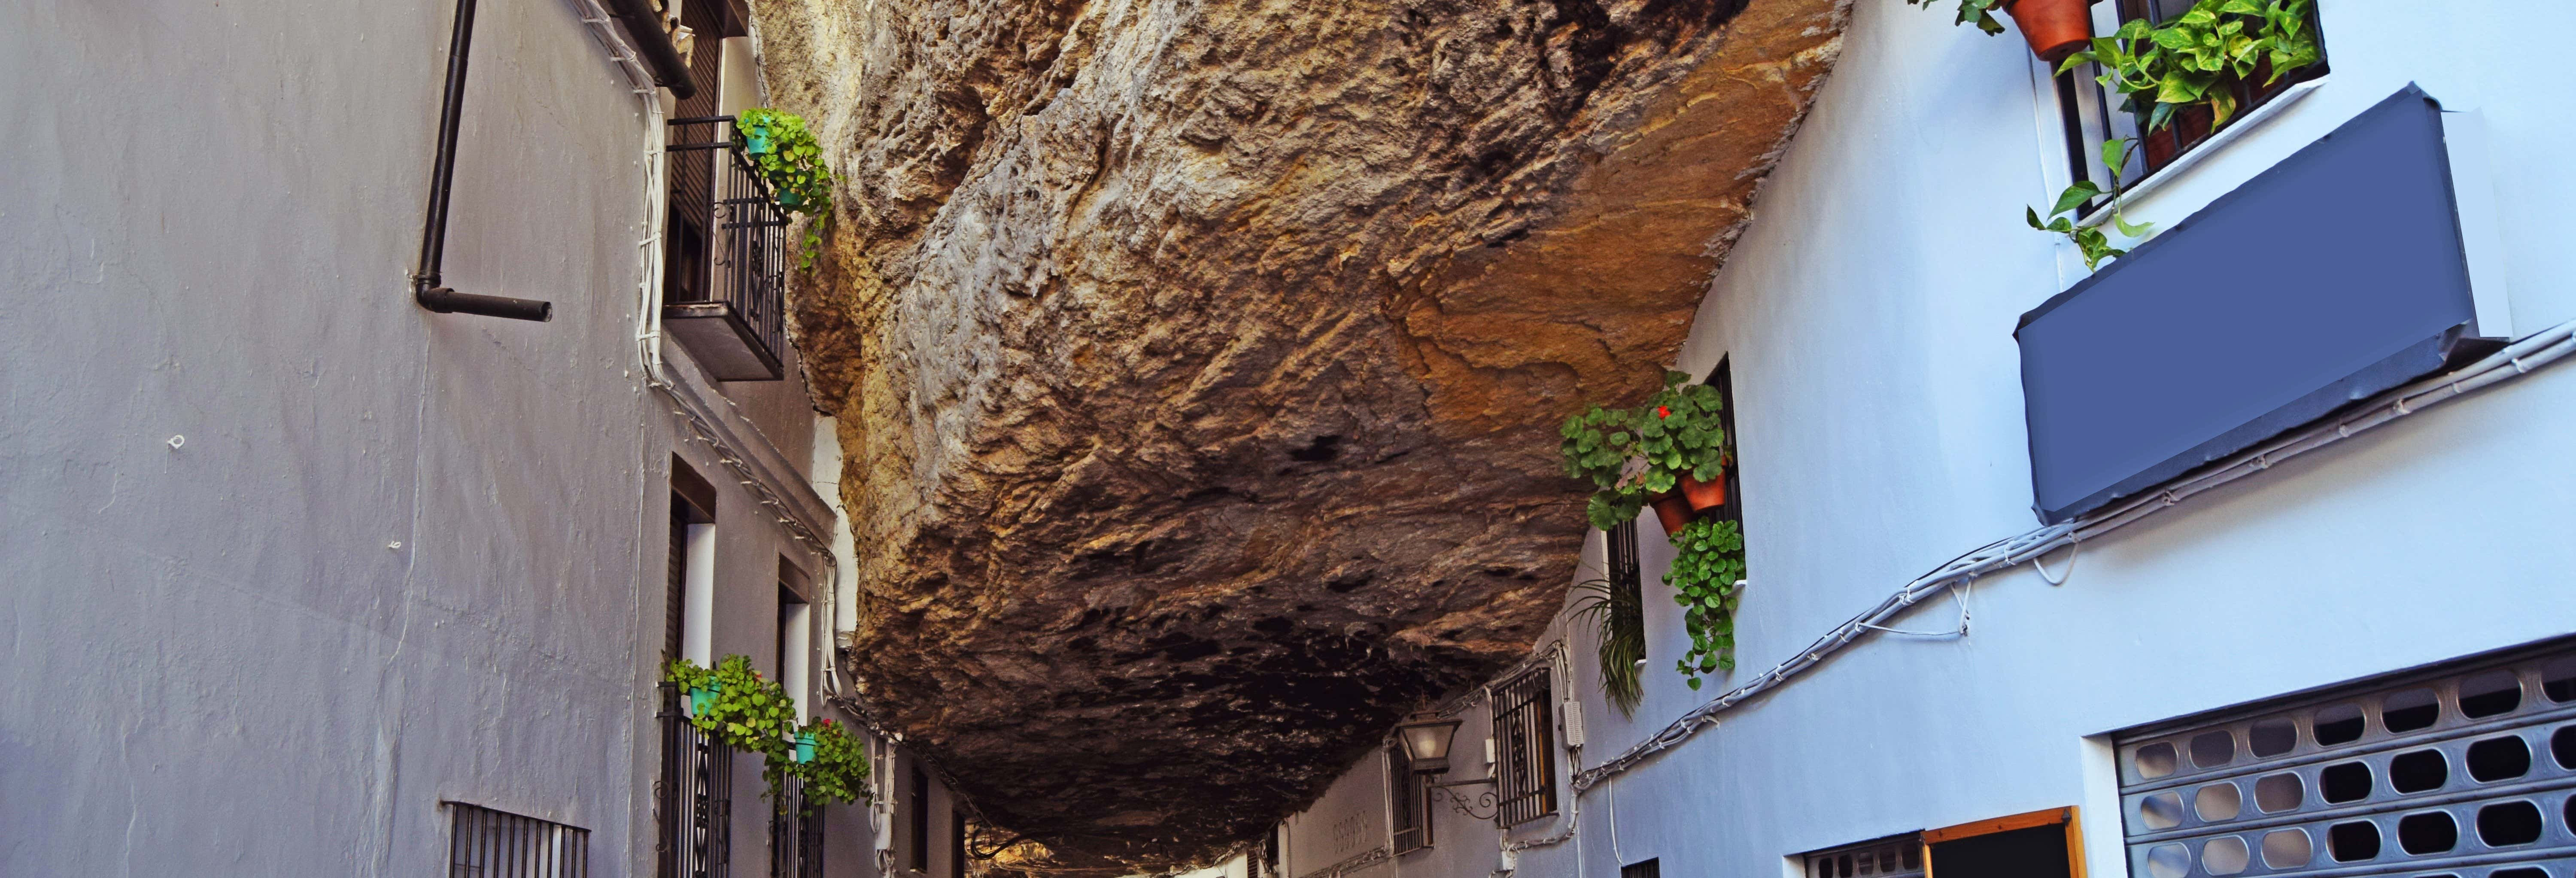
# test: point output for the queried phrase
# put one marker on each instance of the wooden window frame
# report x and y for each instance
(2069, 816)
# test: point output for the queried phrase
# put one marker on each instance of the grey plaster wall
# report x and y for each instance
(399, 558)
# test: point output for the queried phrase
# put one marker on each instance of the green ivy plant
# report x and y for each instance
(792, 162)
(1704, 576)
(1619, 618)
(1979, 12)
(2201, 55)
(2090, 239)
(1676, 432)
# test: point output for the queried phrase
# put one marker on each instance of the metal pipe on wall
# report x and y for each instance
(425, 287)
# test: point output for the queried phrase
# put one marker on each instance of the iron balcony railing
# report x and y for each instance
(693, 800)
(795, 836)
(726, 255)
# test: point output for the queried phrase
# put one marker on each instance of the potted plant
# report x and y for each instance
(2053, 28)
(2203, 57)
(1641, 456)
(834, 766)
(789, 159)
(1619, 619)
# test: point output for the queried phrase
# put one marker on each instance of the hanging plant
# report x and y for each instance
(837, 770)
(791, 162)
(1619, 619)
(752, 714)
(1704, 578)
(2090, 239)
(2201, 56)
(1633, 456)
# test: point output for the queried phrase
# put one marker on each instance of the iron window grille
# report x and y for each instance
(2092, 115)
(1525, 747)
(693, 800)
(1894, 857)
(1409, 797)
(795, 834)
(2462, 770)
(725, 284)
(484, 843)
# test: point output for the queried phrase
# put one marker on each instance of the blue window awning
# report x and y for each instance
(2334, 275)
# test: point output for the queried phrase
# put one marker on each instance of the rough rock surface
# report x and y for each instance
(1198, 361)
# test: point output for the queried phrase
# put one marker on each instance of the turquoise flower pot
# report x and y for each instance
(701, 700)
(804, 747)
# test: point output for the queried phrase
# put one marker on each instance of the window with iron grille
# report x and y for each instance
(2462, 770)
(693, 800)
(795, 833)
(1643, 869)
(484, 843)
(2093, 114)
(1525, 747)
(1409, 798)
(1894, 857)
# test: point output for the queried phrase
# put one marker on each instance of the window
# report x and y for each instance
(484, 843)
(2457, 770)
(1723, 378)
(1409, 798)
(1896, 857)
(2092, 114)
(1643, 869)
(2040, 844)
(795, 635)
(691, 573)
(919, 799)
(957, 844)
(1525, 744)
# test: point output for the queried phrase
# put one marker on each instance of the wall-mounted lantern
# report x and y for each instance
(1426, 743)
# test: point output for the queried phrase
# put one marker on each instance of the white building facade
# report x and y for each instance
(306, 578)
(2335, 658)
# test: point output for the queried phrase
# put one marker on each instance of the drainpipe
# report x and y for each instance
(425, 288)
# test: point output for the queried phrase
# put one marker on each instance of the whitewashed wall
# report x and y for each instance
(1868, 313)
(400, 557)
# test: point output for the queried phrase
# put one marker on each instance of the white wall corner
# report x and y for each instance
(2464, 136)
(2106, 851)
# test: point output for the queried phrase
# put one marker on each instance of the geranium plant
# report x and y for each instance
(754, 714)
(788, 157)
(1633, 455)
(1704, 577)
(839, 770)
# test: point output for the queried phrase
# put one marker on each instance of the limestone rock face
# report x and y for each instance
(1199, 361)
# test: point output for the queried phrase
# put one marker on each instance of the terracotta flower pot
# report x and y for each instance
(2055, 28)
(1704, 496)
(1674, 510)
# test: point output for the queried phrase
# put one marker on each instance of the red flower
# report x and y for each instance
(1663, 412)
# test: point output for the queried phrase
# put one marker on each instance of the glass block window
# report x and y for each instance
(2459, 771)
(1525, 745)
(1895, 857)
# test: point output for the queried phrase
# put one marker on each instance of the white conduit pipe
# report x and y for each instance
(2520, 358)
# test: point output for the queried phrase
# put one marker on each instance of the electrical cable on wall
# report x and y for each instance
(2514, 361)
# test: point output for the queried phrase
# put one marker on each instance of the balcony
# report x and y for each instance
(725, 256)
(693, 802)
(795, 835)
